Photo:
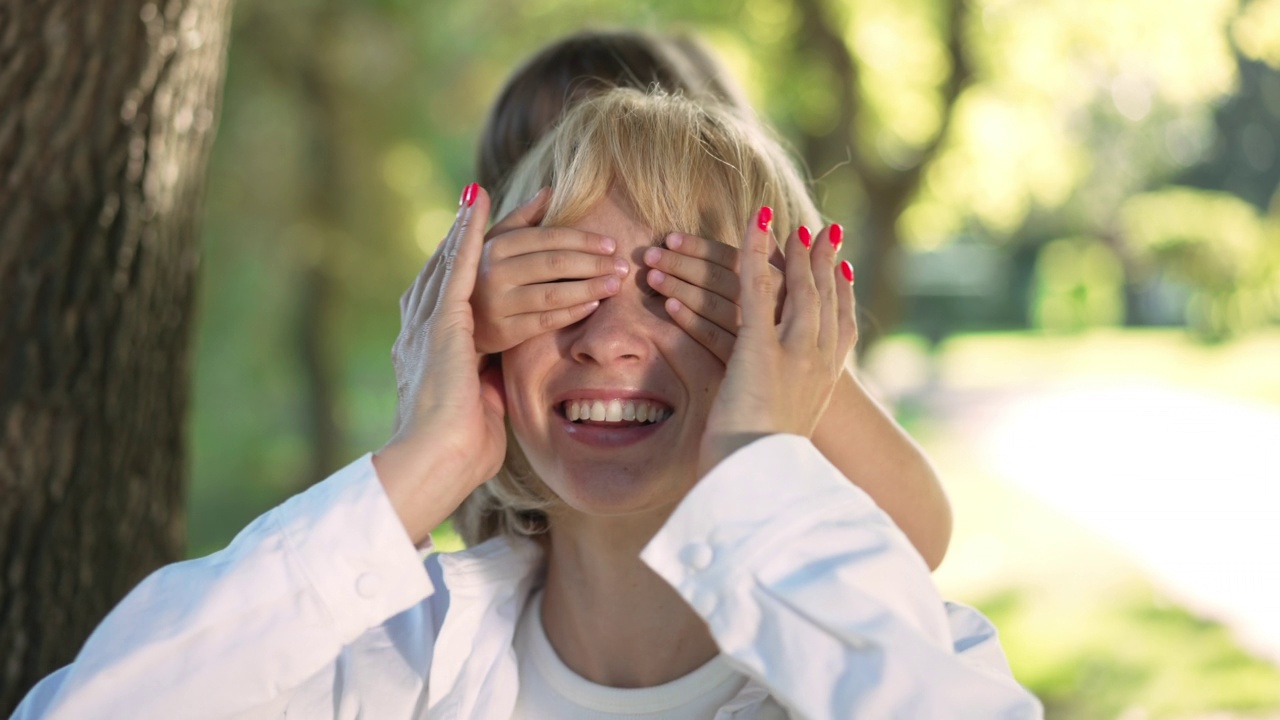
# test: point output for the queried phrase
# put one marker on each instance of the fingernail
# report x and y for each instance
(469, 195)
(672, 305)
(592, 305)
(655, 277)
(622, 267)
(846, 270)
(764, 218)
(806, 237)
(652, 255)
(608, 245)
(836, 235)
(612, 284)
(675, 240)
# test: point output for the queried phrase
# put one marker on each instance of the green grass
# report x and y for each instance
(1083, 628)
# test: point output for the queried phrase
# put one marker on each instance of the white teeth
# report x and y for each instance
(615, 410)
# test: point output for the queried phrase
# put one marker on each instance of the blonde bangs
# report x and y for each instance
(681, 166)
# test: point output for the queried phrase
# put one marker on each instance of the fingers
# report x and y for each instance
(704, 273)
(712, 251)
(549, 265)
(555, 296)
(536, 323)
(462, 254)
(823, 256)
(802, 310)
(709, 334)
(758, 285)
(713, 306)
(846, 320)
(525, 241)
(527, 215)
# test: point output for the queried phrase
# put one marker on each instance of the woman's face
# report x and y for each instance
(629, 360)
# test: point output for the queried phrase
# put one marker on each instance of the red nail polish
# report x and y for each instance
(806, 237)
(836, 235)
(846, 270)
(764, 218)
(469, 194)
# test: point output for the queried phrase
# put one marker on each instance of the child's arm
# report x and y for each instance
(863, 440)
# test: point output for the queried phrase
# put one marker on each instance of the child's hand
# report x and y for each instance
(702, 276)
(534, 279)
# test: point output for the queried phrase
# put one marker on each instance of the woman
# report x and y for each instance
(513, 302)
(702, 560)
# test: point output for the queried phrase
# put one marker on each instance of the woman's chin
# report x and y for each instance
(620, 491)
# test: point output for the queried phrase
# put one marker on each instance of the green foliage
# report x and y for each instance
(1216, 244)
(1079, 285)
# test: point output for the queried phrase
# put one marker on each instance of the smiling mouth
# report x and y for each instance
(616, 412)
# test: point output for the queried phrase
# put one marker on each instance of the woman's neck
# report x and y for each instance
(609, 617)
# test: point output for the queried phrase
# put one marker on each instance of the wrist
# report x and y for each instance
(424, 483)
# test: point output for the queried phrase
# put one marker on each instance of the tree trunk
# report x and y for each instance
(107, 112)
(888, 191)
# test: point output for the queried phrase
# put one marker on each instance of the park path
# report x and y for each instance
(1186, 484)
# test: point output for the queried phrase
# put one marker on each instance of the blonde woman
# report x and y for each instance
(665, 539)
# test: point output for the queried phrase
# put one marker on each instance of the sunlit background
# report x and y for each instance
(1064, 220)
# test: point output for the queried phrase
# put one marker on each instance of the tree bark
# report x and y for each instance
(107, 114)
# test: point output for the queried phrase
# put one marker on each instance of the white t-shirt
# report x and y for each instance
(549, 689)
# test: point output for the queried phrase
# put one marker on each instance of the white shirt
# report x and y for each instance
(550, 689)
(324, 608)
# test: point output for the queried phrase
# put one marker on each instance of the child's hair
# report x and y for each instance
(580, 65)
(676, 165)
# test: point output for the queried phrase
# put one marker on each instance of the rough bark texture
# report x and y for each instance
(107, 113)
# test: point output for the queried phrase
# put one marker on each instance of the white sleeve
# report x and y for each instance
(235, 633)
(810, 588)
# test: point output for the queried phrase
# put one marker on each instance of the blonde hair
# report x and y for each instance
(681, 166)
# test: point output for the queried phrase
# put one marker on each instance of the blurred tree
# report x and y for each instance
(854, 150)
(1218, 245)
(109, 113)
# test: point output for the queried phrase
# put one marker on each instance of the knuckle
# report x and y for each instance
(547, 320)
(555, 262)
(706, 333)
(714, 303)
(551, 296)
(762, 285)
(715, 274)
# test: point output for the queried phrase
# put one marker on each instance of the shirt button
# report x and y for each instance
(697, 556)
(705, 604)
(368, 585)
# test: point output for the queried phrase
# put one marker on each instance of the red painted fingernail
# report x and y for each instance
(806, 237)
(764, 218)
(836, 235)
(846, 270)
(469, 194)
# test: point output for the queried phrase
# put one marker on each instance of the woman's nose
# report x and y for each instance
(616, 332)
